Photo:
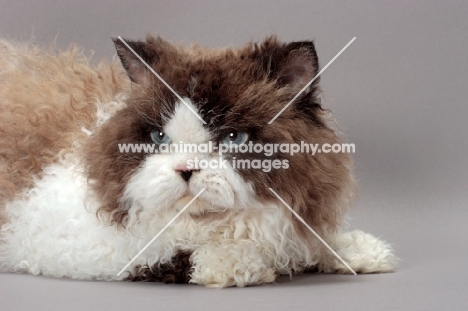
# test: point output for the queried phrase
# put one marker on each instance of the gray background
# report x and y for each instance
(399, 92)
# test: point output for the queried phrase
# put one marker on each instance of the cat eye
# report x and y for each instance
(159, 137)
(234, 138)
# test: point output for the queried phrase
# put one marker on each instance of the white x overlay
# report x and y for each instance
(201, 191)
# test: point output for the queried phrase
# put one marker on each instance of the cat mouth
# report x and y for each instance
(199, 206)
(184, 200)
(207, 215)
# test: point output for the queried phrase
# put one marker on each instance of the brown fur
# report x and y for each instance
(177, 271)
(45, 100)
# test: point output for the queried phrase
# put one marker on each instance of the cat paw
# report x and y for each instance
(362, 251)
(230, 265)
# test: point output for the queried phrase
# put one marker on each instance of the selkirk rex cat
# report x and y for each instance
(74, 204)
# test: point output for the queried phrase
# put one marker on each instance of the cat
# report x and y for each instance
(73, 204)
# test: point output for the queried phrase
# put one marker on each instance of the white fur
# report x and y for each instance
(51, 232)
(53, 229)
(185, 125)
(362, 251)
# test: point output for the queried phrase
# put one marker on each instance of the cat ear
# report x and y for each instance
(298, 65)
(136, 69)
(294, 64)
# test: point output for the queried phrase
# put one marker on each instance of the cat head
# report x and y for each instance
(226, 96)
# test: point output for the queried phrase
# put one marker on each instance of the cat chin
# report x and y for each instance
(199, 207)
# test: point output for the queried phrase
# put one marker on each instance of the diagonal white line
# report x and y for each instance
(161, 79)
(160, 232)
(313, 231)
(311, 81)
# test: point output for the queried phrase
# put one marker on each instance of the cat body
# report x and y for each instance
(73, 204)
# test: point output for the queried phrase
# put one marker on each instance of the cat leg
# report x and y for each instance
(362, 251)
(233, 263)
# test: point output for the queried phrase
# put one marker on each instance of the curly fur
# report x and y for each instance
(73, 206)
(177, 271)
(45, 100)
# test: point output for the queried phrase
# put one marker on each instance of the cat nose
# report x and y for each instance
(186, 175)
(185, 172)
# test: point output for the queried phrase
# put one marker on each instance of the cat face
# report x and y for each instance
(236, 92)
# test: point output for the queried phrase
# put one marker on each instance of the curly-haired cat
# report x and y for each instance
(73, 205)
